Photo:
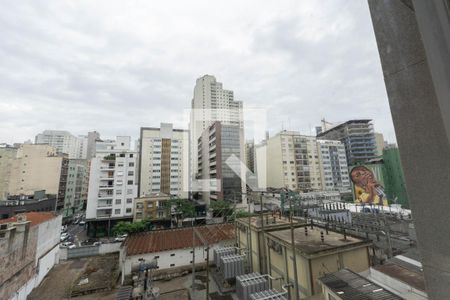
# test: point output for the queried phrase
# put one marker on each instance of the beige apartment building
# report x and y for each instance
(301, 163)
(7, 156)
(164, 161)
(38, 167)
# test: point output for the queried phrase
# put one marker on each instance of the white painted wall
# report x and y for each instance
(48, 236)
(46, 263)
(181, 257)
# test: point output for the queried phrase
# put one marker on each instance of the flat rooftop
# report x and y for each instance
(270, 222)
(312, 243)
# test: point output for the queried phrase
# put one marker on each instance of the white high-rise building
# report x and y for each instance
(112, 184)
(76, 147)
(164, 161)
(62, 141)
(211, 103)
(333, 162)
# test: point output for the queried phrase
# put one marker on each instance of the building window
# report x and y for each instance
(128, 210)
(130, 182)
(129, 191)
(117, 211)
(131, 155)
(130, 173)
(157, 256)
(129, 200)
(118, 201)
(118, 192)
(131, 164)
(173, 254)
(172, 265)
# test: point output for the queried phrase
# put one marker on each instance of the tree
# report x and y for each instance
(183, 207)
(128, 228)
(221, 208)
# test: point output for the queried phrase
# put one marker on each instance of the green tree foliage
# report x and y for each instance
(221, 208)
(128, 228)
(183, 207)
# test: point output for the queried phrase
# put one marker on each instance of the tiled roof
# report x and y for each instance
(162, 240)
(35, 218)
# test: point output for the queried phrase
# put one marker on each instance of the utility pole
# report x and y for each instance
(294, 259)
(249, 238)
(262, 254)
(193, 262)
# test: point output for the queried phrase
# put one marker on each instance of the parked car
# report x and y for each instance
(121, 238)
(82, 223)
(97, 243)
(76, 221)
(89, 242)
(63, 228)
(69, 245)
(64, 236)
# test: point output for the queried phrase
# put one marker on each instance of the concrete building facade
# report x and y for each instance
(302, 163)
(216, 145)
(112, 185)
(62, 141)
(7, 156)
(151, 207)
(333, 165)
(29, 248)
(164, 161)
(77, 186)
(317, 253)
(29, 165)
(211, 103)
(358, 138)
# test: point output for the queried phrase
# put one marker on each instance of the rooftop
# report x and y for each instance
(405, 270)
(35, 218)
(361, 121)
(270, 222)
(162, 240)
(352, 286)
(311, 243)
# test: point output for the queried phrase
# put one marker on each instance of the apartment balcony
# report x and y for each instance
(106, 187)
(104, 205)
(104, 213)
(109, 158)
(105, 196)
(107, 178)
(107, 168)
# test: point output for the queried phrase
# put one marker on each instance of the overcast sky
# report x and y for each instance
(114, 66)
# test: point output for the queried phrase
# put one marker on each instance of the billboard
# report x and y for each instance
(367, 188)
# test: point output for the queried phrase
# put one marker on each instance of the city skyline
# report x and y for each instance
(112, 68)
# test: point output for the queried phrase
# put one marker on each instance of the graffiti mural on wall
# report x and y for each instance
(367, 189)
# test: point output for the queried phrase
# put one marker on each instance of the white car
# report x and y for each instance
(121, 238)
(64, 236)
(82, 223)
(69, 245)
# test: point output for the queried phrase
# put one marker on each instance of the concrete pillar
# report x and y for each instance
(413, 38)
